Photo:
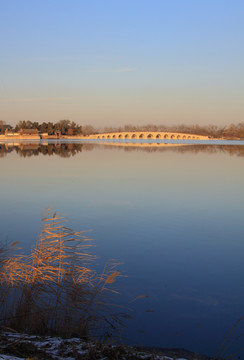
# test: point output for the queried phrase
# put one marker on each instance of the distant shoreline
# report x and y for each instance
(123, 135)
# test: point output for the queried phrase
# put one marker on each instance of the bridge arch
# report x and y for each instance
(157, 135)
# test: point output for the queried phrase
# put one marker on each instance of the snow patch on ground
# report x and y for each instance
(22, 346)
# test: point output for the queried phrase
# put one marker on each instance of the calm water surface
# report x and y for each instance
(173, 216)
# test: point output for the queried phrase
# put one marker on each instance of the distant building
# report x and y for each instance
(44, 135)
(4, 127)
(32, 133)
(9, 132)
(28, 132)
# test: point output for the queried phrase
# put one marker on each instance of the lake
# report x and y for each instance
(173, 215)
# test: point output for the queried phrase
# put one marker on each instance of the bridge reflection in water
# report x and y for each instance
(148, 135)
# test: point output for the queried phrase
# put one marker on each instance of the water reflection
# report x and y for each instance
(68, 149)
(173, 215)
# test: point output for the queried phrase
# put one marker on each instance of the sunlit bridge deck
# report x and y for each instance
(153, 135)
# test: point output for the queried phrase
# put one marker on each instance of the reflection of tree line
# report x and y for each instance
(210, 149)
(60, 149)
(237, 150)
(67, 150)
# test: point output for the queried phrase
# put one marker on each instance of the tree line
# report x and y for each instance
(67, 127)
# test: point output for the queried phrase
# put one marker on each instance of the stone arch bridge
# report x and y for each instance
(153, 135)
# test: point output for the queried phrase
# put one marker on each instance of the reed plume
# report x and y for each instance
(54, 290)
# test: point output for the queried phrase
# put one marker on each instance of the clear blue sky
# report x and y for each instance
(116, 62)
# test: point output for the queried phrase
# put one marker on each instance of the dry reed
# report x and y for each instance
(54, 290)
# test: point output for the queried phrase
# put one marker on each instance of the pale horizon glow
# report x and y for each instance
(108, 63)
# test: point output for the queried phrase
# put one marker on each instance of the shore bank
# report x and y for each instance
(16, 346)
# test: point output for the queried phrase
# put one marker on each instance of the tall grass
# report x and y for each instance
(54, 290)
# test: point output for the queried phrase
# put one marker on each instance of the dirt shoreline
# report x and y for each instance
(22, 346)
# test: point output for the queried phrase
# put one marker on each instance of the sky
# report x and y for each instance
(117, 62)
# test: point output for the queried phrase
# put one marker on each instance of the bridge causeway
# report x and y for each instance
(153, 135)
